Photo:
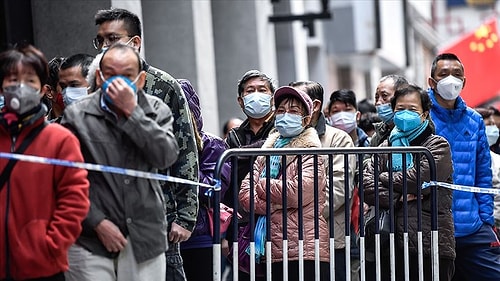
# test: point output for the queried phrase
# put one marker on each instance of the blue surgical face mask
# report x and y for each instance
(407, 120)
(257, 104)
(72, 94)
(288, 125)
(492, 133)
(385, 112)
(105, 85)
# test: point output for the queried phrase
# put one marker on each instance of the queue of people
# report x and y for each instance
(114, 109)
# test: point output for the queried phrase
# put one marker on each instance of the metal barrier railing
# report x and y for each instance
(360, 154)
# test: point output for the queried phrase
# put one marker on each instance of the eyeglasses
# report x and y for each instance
(293, 110)
(109, 40)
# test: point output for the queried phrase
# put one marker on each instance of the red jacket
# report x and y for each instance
(47, 204)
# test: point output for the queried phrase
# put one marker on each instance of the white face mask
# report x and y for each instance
(344, 120)
(492, 133)
(449, 87)
(72, 94)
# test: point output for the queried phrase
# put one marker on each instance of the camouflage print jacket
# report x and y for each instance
(182, 199)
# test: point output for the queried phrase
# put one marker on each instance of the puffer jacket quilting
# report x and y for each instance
(440, 151)
(308, 138)
(464, 129)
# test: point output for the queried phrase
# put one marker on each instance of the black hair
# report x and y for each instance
(443, 56)
(255, 74)
(367, 119)
(344, 95)
(27, 55)
(312, 88)
(131, 20)
(82, 60)
(54, 65)
(122, 47)
(485, 112)
(365, 106)
(410, 89)
(495, 111)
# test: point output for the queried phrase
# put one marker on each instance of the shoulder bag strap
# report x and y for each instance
(12, 162)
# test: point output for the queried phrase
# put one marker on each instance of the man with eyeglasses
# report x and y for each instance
(119, 25)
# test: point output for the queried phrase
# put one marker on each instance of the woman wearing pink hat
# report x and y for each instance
(293, 130)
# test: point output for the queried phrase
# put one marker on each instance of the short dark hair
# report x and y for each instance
(485, 112)
(443, 56)
(312, 88)
(26, 55)
(131, 20)
(344, 95)
(54, 65)
(410, 89)
(122, 47)
(365, 106)
(494, 110)
(255, 74)
(367, 120)
(82, 60)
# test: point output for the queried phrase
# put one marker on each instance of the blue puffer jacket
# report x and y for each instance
(464, 129)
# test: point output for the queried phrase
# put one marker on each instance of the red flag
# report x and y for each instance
(479, 52)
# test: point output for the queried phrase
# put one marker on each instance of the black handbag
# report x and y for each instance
(384, 224)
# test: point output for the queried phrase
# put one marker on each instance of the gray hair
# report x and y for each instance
(91, 79)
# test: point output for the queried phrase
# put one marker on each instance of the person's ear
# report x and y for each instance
(306, 120)
(43, 91)
(425, 115)
(316, 106)
(136, 42)
(241, 103)
(98, 79)
(358, 116)
(48, 92)
(463, 85)
(432, 83)
(141, 80)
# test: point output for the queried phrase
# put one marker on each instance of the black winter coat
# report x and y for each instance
(440, 150)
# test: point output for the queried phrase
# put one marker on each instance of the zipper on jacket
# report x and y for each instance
(7, 207)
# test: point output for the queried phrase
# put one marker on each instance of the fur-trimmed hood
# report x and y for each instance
(308, 138)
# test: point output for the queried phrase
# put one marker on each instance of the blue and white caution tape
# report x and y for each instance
(99, 168)
(461, 187)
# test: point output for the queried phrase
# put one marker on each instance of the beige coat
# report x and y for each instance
(308, 138)
(334, 137)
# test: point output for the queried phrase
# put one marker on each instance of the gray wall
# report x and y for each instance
(284, 45)
(64, 28)
(169, 38)
(236, 51)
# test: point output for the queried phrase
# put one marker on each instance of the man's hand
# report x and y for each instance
(110, 236)
(123, 96)
(178, 234)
